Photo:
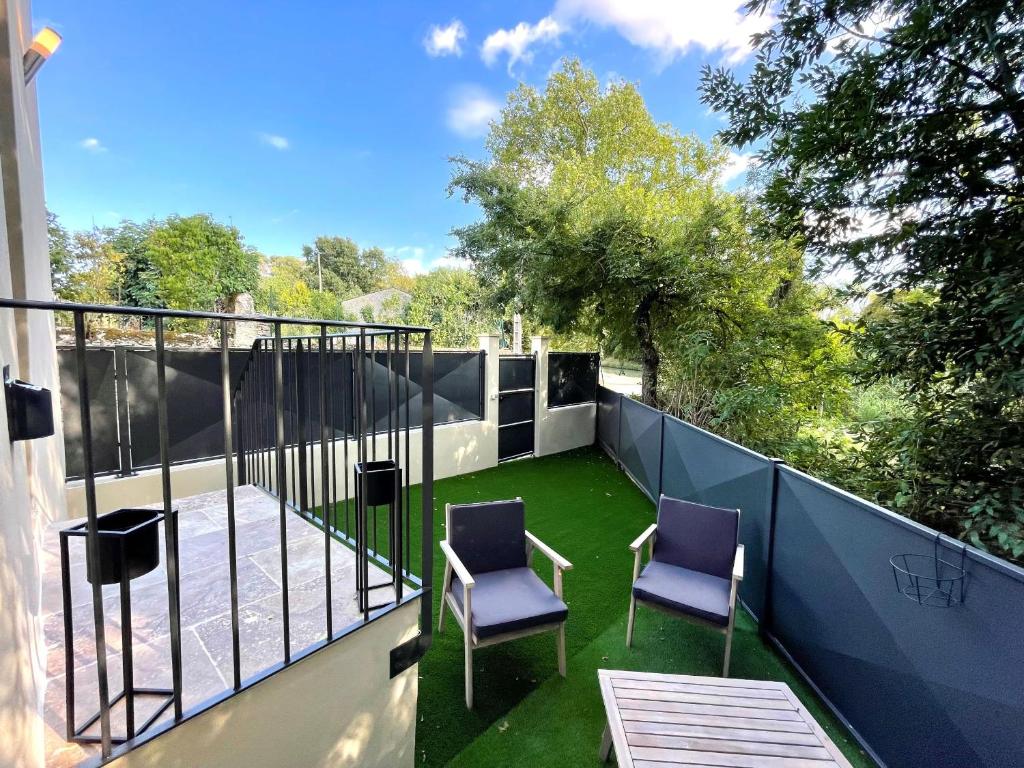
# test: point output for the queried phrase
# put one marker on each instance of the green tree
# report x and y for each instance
(59, 242)
(892, 137)
(597, 217)
(452, 302)
(137, 281)
(344, 268)
(286, 292)
(201, 263)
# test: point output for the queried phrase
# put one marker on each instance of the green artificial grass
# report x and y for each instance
(524, 712)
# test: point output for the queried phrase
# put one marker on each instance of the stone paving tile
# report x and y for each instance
(205, 604)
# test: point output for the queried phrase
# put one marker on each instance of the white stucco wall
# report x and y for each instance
(31, 473)
(335, 708)
(558, 429)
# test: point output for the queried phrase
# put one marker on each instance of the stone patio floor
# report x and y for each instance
(205, 610)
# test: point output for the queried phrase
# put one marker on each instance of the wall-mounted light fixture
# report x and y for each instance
(43, 45)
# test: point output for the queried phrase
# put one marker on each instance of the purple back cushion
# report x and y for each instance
(490, 536)
(696, 537)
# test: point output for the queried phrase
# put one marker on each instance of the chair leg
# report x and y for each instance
(606, 744)
(561, 649)
(469, 671)
(444, 596)
(629, 626)
(728, 650)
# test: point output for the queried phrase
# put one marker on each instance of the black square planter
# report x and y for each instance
(129, 540)
(380, 481)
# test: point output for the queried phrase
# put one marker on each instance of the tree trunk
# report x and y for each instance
(649, 358)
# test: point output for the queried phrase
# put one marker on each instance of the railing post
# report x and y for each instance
(301, 441)
(229, 489)
(93, 539)
(765, 625)
(282, 485)
(170, 520)
(324, 480)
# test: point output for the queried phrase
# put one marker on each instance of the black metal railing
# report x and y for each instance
(306, 391)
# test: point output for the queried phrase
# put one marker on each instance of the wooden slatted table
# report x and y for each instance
(657, 721)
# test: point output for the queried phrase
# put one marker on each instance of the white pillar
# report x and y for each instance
(489, 344)
(539, 346)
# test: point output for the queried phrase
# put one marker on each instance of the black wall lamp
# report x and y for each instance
(43, 45)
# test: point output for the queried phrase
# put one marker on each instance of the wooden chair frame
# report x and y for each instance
(649, 537)
(453, 565)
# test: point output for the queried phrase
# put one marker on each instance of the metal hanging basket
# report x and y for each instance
(932, 580)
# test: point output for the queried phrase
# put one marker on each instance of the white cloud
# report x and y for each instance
(93, 145)
(737, 166)
(275, 141)
(445, 41)
(452, 262)
(471, 111)
(516, 42)
(413, 267)
(672, 27)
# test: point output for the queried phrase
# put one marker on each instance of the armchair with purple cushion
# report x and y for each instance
(695, 565)
(489, 585)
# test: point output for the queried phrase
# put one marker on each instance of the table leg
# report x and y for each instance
(606, 744)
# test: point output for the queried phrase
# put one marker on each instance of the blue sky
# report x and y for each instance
(309, 117)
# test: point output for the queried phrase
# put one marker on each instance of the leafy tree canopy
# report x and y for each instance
(346, 269)
(452, 302)
(201, 264)
(596, 215)
(892, 137)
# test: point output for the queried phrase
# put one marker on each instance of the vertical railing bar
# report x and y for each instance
(372, 389)
(93, 537)
(357, 389)
(229, 488)
(361, 505)
(408, 453)
(396, 518)
(301, 404)
(334, 440)
(281, 470)
(261, 422)
(170, 528)
(127, 665)
(348, 417)
(427, 487)
(292, 406)
(324, 480)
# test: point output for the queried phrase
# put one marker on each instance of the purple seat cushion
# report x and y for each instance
(489, 536)
(696, 537)
(510, 600)
(680, 589)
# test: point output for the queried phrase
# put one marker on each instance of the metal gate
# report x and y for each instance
(516, 391)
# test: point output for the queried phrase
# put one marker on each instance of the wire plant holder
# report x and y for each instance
(931, 580)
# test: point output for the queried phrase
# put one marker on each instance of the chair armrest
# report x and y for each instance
(553, 556)
(737, 565)
(460, 570)
(651, 530)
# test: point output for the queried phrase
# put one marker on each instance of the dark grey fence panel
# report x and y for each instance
(99, 374)
(516, 372)
(702, 467)
(923, 686)
(572, 378)
(608, 420)
(640, 444)
(194, 406)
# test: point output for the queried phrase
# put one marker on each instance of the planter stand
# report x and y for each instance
(129, 546)
(383, 481)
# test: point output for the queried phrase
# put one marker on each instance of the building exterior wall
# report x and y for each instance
(337, 707)
(558, 429)
(31, 473)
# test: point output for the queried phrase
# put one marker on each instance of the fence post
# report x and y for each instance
(765, 626)
(618, 432)
(661, 457)
(124, 431)
(540, 347)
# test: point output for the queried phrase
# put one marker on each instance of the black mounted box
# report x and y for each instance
(29, 409)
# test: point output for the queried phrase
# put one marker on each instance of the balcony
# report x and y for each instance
(264, 584)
